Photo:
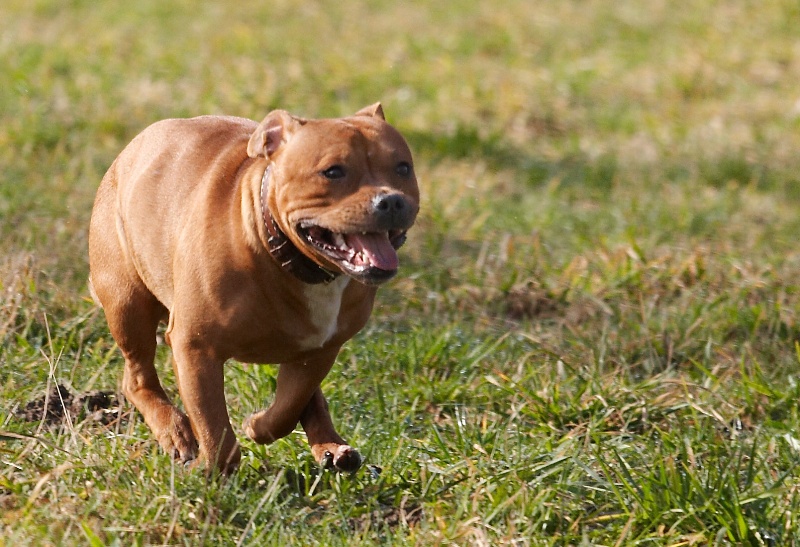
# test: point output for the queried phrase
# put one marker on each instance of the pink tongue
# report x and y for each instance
(376, 247)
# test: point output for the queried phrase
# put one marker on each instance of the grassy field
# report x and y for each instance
(594, 336)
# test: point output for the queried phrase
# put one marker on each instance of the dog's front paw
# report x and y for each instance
(340, 457)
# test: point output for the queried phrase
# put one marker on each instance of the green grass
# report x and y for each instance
(594, 338)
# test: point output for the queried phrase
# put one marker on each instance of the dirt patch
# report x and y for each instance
(531, 301)
(387, 516)
(53, 407)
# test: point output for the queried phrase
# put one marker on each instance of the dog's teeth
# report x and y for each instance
(362, 259)
(338, 240)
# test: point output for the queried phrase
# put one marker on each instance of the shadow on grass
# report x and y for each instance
(467, 142)
(601, 173)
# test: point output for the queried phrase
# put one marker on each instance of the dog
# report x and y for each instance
(262, 243)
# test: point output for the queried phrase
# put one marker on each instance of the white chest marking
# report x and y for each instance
(324, 302)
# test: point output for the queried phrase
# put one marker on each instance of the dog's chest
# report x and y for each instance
(324, 303)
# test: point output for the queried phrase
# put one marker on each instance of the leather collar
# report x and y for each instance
(285, 252)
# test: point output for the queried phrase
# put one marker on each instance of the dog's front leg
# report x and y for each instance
(328, 448)
(298, 398)
(200, 382)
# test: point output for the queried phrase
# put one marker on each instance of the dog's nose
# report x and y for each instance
(389, 203)
(391, 210)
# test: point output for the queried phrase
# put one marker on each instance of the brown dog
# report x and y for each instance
(263, 243)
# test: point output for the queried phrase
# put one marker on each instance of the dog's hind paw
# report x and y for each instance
(177, 438)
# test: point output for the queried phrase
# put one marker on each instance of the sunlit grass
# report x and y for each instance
(593, 339)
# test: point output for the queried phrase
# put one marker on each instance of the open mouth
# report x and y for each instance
(362, 254)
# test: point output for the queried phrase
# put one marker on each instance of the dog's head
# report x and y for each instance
(342, 190)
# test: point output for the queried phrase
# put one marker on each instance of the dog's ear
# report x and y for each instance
(276, 129)
(373, 111)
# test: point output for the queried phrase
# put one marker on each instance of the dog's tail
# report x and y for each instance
(94, 294)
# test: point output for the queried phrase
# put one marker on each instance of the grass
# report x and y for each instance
(594, 339)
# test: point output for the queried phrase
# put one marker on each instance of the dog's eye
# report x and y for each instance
(403, 169)
(335, 172)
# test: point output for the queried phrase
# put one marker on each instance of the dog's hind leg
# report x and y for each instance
(133, 314)
(133, 321)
